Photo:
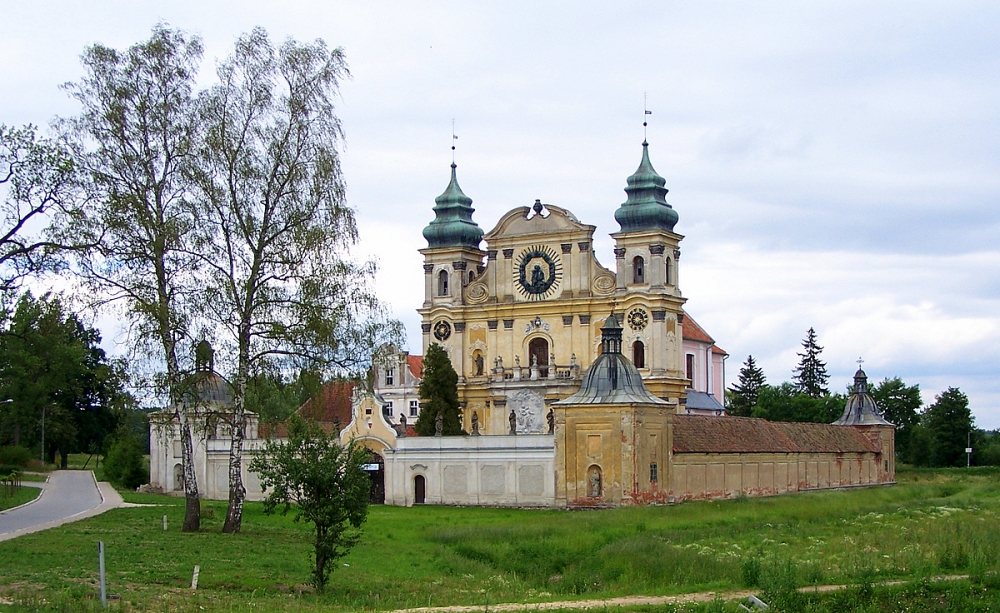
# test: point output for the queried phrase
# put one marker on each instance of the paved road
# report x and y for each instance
(69, 495)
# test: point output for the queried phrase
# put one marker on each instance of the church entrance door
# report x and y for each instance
(418, 489)
(538, 353)
(376, 472)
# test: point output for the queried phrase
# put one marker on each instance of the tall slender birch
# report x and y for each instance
(133, 143)
(280, 280)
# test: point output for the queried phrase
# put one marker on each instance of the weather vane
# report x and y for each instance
(645, 111)
(860, 362)
(453, 139)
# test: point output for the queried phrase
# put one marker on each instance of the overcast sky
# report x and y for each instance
(834, 165)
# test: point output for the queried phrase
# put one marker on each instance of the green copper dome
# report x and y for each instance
(452, 225)
(646, 207)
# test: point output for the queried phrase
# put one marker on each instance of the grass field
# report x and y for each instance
(933, 522)
(22, 495)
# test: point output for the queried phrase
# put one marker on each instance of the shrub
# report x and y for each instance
(14, 456)
(124, 465)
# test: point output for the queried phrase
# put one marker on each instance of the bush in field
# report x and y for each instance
(124, 466)
(14, 456)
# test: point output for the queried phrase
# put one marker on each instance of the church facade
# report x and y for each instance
(520, 316)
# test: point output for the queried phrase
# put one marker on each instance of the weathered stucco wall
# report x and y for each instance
(472, 470)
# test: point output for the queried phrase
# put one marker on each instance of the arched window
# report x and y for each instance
(668, 278)
(538, 355)
(178, 478)
(639, 354)
(443, 283)
(638, 270)
(472, 276)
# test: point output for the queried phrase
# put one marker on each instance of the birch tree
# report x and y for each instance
(280, 280)
(133, 143)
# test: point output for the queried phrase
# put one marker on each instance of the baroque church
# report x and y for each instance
(580, 385)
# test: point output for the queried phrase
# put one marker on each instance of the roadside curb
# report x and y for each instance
(110, 499)
(40, 486)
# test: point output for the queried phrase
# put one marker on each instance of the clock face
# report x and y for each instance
(537, 273)
(637, 319)
(442, 330)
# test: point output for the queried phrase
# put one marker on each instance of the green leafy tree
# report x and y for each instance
(324, 481)
(786, 403)
(439, 395)
(810, 375)
(745, 390)
(899, 404)
(948, 422)
(124, 465)
(280, 279)
(53, 369)
(133, 144)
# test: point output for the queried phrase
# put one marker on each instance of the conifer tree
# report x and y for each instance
(439, 394)
(744, 393)
(810, 375)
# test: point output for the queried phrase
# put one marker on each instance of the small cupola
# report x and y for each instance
(861, 409)
(612, 378)
(452, 225)
(646, 207)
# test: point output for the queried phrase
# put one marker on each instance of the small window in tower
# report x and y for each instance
(390, 376)
(638, 270)
(689, 373)
(443, 283)
(472, 276)
(654, 472)
(639, 354)
(667, 277)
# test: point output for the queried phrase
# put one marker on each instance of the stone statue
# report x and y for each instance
(402, 426)
(500, 362)
(479, 364)
(512, 418)
(595, 483)
(572, 360)
(475, 423)
(550, 417)
(517, 361)
(552, 359)
(534, 361)
(438, 424)
(537, 280)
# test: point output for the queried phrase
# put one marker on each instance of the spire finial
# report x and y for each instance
(645, 111)
(860, 362)
(453, 139)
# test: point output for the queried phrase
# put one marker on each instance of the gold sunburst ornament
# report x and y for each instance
(537, 272)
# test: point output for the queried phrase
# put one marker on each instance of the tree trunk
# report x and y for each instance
(192, 507)
(237, 493)
(17, 434)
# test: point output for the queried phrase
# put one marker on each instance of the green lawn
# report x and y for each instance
(22, 495)
(933, 522)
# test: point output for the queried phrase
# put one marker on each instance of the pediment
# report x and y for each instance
(521, 221)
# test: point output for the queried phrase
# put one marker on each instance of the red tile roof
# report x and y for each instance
(416, 365)
(702, 434)
(331, 405)
(719, 350)
(693, 332)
